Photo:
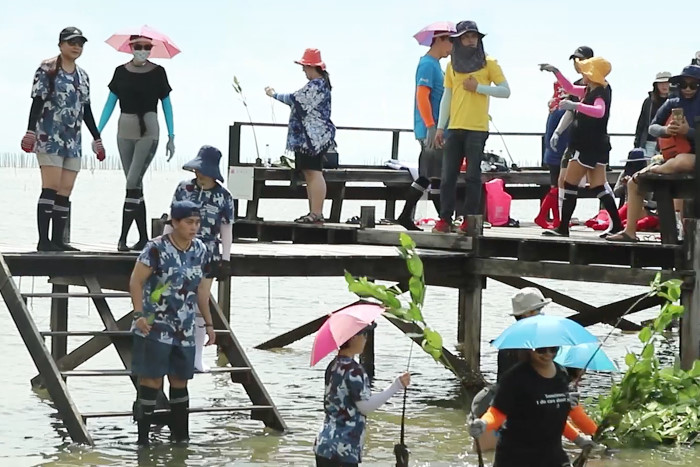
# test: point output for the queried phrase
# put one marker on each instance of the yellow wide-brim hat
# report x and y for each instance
(595, 69)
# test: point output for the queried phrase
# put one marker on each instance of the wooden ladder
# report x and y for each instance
(54, 368)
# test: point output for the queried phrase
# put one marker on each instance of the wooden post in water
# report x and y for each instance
(690, 323)
(469, 326)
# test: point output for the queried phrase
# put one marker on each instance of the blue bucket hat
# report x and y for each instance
(183, 210)
(690, 71)
(636, 161)
(206, 163)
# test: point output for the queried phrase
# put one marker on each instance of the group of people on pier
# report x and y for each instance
(172, 277)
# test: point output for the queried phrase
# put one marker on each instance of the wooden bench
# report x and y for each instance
(666, 188)
(389, 185)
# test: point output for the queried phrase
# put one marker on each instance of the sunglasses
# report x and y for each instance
(142, 46)
(544, 350)
(685, 84)
(76, 41)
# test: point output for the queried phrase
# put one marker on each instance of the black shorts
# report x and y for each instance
(591, 159)
(430, 162)
(554, 171)
(304, 161)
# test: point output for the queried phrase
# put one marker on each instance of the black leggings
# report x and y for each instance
(323, 462)
(554, 171)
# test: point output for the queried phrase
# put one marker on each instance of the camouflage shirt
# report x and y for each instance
(343, 432)
(170, 293)
(58, 127)
(215, 207)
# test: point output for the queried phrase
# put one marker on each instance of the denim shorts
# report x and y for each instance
(154, 359)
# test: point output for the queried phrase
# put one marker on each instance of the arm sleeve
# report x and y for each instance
(564, 122)
(494, 418)
(657, 131)
(582, 420)
(35, 113)
(501, 90)
(226, 241)
(168, 112)
(577, 91)
(89, 120)
(375, 401)
(107, 111)
(570, 431)
(595, 110)
(423, 104)
(286, 98)
(445, 104)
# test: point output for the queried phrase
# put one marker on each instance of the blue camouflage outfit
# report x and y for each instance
(169, 304)
(215, 207)
(342, 435)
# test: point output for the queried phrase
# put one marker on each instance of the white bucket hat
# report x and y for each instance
(663, 77)
(528, 299)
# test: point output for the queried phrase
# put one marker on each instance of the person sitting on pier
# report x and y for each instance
(60, 104)
(665, 126)
(533, 397)
(590, 143)
(216, 228)
(347, 402)
(166, 289)
(311, 132)
(429, 90)
(465, 105)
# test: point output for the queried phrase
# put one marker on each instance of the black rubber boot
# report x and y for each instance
(44, 212)
(414, 194)
(140, 217)
(435, 193)
(143, 413)
(179, 411)
(129, 211)
(59, 218)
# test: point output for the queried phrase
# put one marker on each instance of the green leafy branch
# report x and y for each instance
(651, 405)
(410, 311)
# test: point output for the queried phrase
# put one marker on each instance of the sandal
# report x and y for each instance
(621, 237)
(310, 218)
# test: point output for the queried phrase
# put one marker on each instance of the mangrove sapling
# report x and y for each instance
(651, 405)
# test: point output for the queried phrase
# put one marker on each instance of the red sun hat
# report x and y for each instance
(312, 57)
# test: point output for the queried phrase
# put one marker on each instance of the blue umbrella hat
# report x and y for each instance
(206, 163)
(585, 356)
(543, 331)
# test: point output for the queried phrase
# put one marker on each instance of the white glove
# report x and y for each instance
(566, 104)
(170, 147)
(583, 441)
(554, 140)
(477, 427)
(270, 91)
(548, 67)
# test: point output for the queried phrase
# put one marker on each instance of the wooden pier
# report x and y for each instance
(269, 248)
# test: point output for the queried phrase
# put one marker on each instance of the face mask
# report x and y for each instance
(141, 55)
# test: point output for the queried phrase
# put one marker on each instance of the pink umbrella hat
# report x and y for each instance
(163, 46)
(341, 326)
(425, 36)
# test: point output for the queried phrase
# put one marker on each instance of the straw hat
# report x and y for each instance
(595, 69)
(528, 299)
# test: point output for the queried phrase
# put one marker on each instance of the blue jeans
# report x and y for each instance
(461, 144)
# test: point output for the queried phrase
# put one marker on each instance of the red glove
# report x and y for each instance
(28, 141)
(99, 150)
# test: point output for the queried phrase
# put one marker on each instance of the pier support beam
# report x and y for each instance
(469, 304)
(59, 322)
(690, 298)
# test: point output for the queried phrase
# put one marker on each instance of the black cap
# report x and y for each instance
(71, 32)
(466, 26)
(582, 53)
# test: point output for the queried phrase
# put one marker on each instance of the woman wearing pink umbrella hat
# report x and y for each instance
(347, 400)
(138, 85)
